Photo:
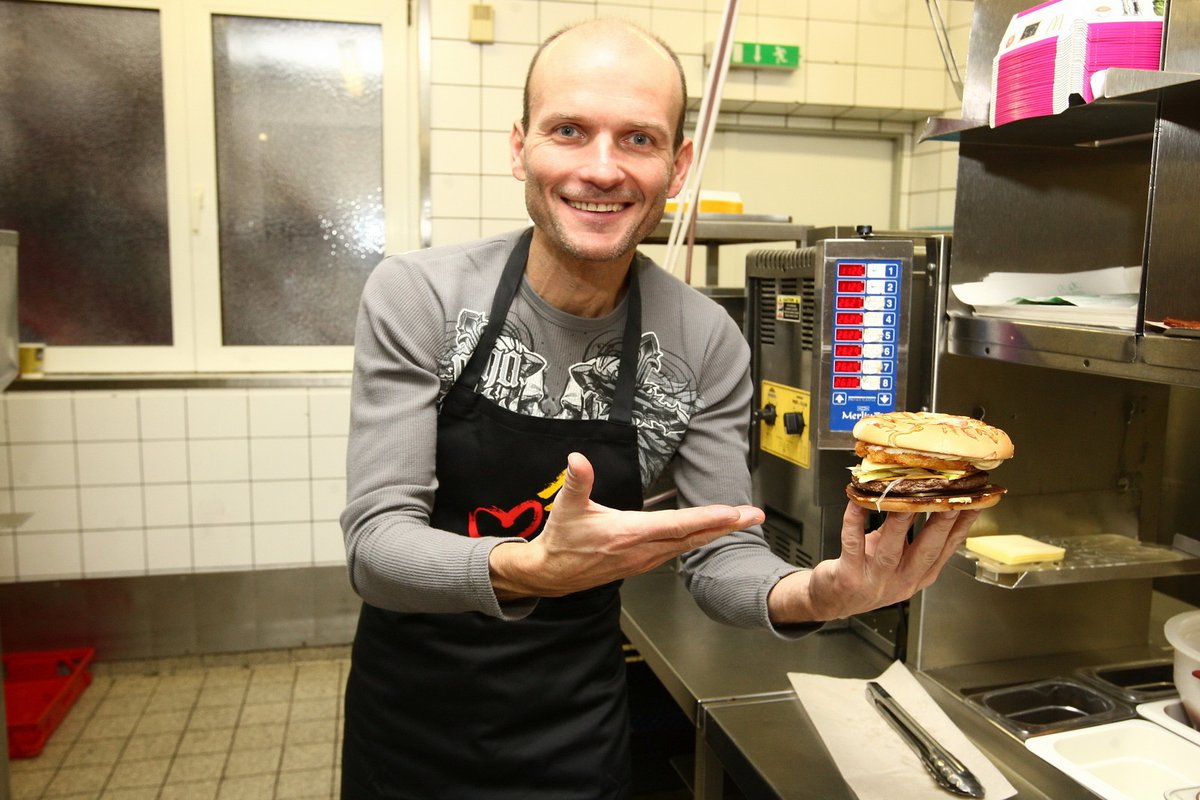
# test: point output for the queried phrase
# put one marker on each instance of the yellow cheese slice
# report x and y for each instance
(1014, 549)
(714, 202)
(870, 471)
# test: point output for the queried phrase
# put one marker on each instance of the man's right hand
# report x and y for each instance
(585, 544)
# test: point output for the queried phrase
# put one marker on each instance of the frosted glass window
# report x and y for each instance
(82, 156)
(299, 125)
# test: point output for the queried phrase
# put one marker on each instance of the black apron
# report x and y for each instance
(465, 706)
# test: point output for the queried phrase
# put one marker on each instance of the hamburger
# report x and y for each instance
(926, 461)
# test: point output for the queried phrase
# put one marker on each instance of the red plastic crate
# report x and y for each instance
(39, 689)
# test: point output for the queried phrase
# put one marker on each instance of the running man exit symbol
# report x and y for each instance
(761, 55)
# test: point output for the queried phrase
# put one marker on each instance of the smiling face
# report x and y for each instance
(598, 159)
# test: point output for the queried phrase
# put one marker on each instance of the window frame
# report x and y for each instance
(191, 168)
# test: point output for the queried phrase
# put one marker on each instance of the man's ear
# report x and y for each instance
(683, 163)
(516, 150)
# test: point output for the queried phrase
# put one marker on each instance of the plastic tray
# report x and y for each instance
(1130, 760)
(39, 689)
(1170, 714)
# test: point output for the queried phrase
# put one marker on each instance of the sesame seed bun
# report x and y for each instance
(932, 432)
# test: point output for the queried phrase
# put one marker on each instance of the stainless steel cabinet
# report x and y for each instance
(1111, 183)
(1101, 417)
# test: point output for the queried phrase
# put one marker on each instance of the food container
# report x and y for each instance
(1134, 682)
(1183, 633)
(1049, 706)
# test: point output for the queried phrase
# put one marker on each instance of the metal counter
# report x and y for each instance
(701, 661)
(732, 683)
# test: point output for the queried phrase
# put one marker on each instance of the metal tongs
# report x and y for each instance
(950, 773)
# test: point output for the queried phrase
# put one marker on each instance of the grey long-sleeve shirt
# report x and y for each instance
(420, 316)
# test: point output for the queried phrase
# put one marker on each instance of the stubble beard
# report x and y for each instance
(551, 223)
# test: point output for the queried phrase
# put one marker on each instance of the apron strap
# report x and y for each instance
(510, 282)
(621, 410)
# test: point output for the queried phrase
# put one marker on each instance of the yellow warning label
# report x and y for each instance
(787, 307)
(784, 422)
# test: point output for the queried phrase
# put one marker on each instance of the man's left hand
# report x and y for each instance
(873, 570)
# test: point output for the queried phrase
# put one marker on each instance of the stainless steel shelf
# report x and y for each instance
(1089, 558)
(715, 230)
(718, 229)
(1125, 112)
(1157, 358)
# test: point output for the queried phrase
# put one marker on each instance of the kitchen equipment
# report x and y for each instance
(1129, 760)
(840, 327)
(1102, 185)
(1183, 633)
(947, 771)
(843, 326)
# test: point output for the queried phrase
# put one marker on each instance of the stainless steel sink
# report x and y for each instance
(1048, 706)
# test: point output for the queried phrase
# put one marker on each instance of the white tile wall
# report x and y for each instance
(933, 166)
(217, 415)
(158, 481)
(499, 109)
(880, 54)
(170, 481)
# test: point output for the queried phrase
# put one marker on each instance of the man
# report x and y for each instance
(513, 399)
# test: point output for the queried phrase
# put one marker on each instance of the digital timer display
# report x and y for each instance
(866, 330)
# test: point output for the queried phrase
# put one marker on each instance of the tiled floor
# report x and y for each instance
(243, 726)
(238, 727)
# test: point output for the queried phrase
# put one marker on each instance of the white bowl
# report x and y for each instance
(1183, 632)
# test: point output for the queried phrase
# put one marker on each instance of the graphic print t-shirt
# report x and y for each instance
(570, 371)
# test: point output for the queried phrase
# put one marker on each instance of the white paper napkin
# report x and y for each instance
(872, 757)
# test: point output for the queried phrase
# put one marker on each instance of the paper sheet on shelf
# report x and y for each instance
(871, 756)
(1105, 297)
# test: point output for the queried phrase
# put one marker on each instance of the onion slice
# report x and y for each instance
(886, 489)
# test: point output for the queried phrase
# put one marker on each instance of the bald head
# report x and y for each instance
(602, 40)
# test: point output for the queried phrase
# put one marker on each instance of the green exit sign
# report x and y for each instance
(761, 55)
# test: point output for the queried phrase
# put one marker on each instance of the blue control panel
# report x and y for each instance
(866, 339)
